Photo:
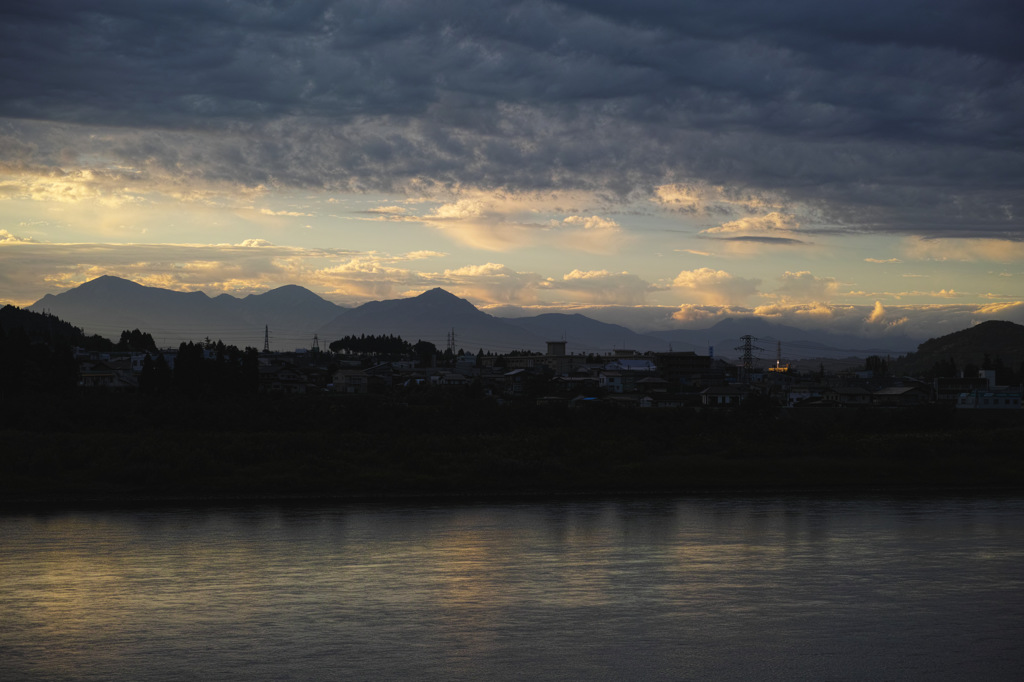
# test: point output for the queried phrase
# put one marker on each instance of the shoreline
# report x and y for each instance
(122, 452)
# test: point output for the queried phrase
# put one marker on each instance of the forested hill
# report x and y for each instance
(988, 345)
(42, 328)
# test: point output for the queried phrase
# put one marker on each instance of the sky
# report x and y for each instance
(659, 164)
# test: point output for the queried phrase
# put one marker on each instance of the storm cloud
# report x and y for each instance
(874, 117)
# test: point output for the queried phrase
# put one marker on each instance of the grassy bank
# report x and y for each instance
(349, 449)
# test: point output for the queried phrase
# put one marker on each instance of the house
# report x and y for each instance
(351, 381)
(515, 381)
(109, 374)
(804, 393)
(613, 382)
(624, 364)
(996, 398)
(900, 396)
(452, 379)
(681, 368)
(723, 396)
(949, 389)
(650, 385)
(283, 378)
(847, 396)
(575, 384)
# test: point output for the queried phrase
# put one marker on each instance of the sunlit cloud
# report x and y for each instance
(880, 317)
(698, 316)
(882, 260)
(591, 223)
(389, 210)
(817, 312)
(491, 283)
(96, 175)
(715, 287)
(877, 314)
(105, 188)
(9, 238)
(505, 221)
(795, 287)
(701, 198)
(592, 234)
(291, 214)
(764, 225)
(920, 321)
(604, 287)
(366, 277)
(968, 250)
(747, 235)
(422, 255)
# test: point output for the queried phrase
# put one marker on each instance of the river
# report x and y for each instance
(706, 587)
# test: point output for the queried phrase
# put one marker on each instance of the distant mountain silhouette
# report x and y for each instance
(432, 316)
(109, 305)
(998, 339)
(796, 343)
(586, 335)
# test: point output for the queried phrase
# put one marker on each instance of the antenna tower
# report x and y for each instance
(451, 340)
(316, 344)
(266, 339)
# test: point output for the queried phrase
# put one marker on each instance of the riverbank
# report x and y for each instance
(279, 450)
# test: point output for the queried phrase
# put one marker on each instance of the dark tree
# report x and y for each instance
(383, 345)
(426, 353)
(136, 341)
(877, 365)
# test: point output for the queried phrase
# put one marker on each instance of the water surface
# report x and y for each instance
(723, 588)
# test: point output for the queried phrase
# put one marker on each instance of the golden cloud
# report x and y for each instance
(758, 225)
(716, 287)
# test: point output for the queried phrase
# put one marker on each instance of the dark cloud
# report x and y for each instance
(900, 116)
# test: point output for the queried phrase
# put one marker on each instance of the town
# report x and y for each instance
(388, 367)
(89, 418)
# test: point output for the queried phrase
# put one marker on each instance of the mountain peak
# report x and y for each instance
(439, 294)
(438, 298)
(288, 292)
(110, 281)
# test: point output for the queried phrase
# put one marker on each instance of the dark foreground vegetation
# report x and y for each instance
(114, 448)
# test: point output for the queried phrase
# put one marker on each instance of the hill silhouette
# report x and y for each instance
(989, 342)
(46, 329)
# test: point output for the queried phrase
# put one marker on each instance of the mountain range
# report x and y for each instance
(292, 316)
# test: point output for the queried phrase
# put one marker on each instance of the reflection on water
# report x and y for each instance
(637, 589)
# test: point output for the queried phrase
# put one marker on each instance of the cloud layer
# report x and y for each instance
(876, 117)
(658, 163)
